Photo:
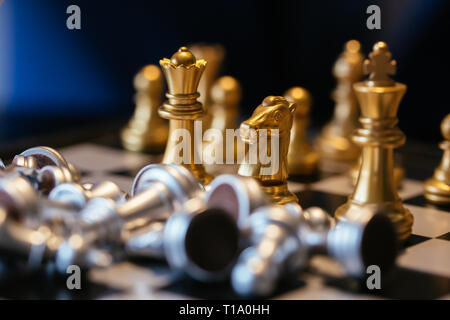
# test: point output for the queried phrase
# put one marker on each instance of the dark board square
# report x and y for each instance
(420, 201)
(401, 283)
(221, 291)
(445, 236)
(327, 201)
(414, 239)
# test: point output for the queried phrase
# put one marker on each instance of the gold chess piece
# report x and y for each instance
(337, 151)
(146, 130)
(225, 97)
(302, 159)
(275, 115)
(183, 72)
(379, 97)
(437, 188)
(214, 54)
(399, 173)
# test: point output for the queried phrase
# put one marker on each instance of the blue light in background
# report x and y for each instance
(49, 69)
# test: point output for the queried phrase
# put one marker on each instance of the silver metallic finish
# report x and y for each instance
(17, 195)
(283, 243)
(77, 195)
(276, 251)
(158, 190)
(363, 238)
(236, 194)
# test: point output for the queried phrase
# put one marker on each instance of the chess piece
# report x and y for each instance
(437, 188)
(224, 110)
(283, 242)
(43, 167)
(379, 97)
(198, 240)
(337, 151)
(78, 195)
(238, 195)
(39, 157)
(147, 131)
(272, 122)
(157, 192)
(183, 72)
(302, 159)
(399, 173)
(214, 54)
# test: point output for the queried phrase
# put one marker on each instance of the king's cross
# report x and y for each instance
(380, 66)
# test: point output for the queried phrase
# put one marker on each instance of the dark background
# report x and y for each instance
(54, 80)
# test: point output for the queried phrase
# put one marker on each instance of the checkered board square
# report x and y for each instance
(423, 267)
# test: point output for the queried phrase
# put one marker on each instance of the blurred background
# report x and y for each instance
(56, 80)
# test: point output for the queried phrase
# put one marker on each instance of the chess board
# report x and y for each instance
(423, 268)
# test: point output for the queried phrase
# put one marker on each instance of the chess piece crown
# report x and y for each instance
(379, 98)
(183, 73)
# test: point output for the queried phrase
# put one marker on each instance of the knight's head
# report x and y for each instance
(273, 113)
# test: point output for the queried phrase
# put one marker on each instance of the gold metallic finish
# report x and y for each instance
(379, 99)
(337, 151)
(399, 174)
(183, 72)
(273, 113)
(147, 131)
(437, 188)
(214, 54)
(225, 97)
(302, 159)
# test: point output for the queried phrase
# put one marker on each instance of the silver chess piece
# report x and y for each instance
(283, 240)
(78, 195)
(236, 194)
(44, 167)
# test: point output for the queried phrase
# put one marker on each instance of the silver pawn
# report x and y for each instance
(283, 243)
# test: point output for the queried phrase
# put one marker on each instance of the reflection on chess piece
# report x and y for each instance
(225, 97)
(147, 131)
(183, 72)
(337, 152)
(379, 98)
(214, 54)
(399, 173)
(437, 188)
(271, 122)
(302, 159)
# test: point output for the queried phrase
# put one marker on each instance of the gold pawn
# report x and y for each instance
(183, 73)
(337, 151)
(302, 159)
(225, 97)
(437, 188)
(146, 130)
(379, 98)
(274, 113)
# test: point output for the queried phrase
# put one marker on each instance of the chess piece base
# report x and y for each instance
(280, 194)
(436, 190)
(397, 213)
